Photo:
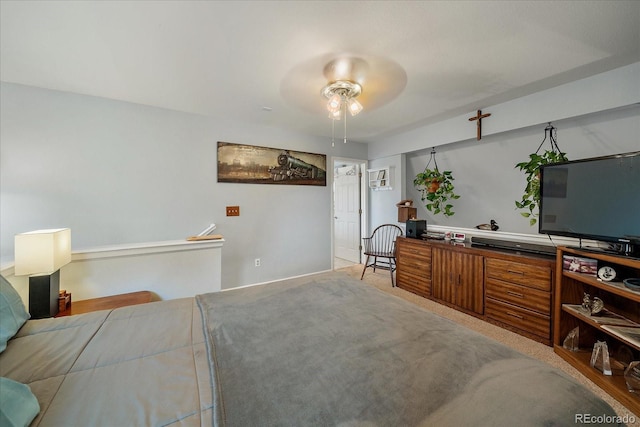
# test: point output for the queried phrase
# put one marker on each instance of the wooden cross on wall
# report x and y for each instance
(479, 118)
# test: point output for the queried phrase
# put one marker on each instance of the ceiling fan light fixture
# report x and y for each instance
(343, 88)
(335, 115)
(335, 103)
(354, 106)
(341, 93)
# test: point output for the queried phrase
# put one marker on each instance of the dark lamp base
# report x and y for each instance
(43, 295)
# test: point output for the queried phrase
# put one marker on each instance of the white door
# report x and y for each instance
(347, 213)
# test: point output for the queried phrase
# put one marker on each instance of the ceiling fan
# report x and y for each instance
(343, 82)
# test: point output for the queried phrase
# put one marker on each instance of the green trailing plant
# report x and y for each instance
(531, 197)
(436, 189)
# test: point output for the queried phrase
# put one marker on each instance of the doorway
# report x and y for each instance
(349, 203)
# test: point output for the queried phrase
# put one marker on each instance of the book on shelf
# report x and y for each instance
(628, 333)
(605, 317)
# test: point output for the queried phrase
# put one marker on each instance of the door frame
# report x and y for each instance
(364, 200)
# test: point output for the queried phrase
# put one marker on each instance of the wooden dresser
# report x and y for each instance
(508, 288)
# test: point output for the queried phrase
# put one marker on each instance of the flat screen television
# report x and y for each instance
(596, 199)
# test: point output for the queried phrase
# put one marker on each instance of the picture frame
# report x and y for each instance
(252, 164)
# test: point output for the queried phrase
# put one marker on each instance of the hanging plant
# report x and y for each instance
(531, 197)
(436, 188)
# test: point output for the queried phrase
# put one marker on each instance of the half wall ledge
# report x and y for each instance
(170, 269)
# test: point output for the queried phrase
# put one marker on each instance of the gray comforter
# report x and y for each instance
(143, 365)
(325, 350)
(329, 350)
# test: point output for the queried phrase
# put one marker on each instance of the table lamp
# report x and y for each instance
(40, 254)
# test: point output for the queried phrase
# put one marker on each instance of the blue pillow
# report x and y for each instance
(12, 312)
(18, 406)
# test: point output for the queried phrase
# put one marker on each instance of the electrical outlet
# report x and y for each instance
(257, 262)
(233, 210)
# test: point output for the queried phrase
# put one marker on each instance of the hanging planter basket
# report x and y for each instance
(434, 185)
(436, 188)
(531, 197)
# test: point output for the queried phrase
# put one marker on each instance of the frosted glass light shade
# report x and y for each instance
(354, 106)
(42, 251)
(335, 103)
(336, 115)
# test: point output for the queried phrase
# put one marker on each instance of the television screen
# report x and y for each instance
(596, 198)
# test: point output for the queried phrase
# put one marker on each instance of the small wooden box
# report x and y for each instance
(64, 301)
(405, 213)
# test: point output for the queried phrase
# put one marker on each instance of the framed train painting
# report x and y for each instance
(251, 164)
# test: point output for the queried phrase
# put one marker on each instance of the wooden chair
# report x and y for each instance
(382, 244)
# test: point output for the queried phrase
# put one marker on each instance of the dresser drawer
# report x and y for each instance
(522, 296)
(519, 318)
(413, 259)
(534, 276)
(414, 266)
(413, 283)
(415, 250)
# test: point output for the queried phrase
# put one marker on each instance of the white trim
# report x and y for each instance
(131, 249)
(7, 270)
(276, 280)
(364, 201)
(144, 248)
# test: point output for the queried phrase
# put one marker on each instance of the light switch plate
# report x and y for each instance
(233, 210)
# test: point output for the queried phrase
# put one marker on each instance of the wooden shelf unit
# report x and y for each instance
(570, 288)
(380, 178)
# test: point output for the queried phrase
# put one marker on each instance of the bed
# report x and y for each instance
(319, 350)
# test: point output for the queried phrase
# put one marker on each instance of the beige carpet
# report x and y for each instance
(381, 280)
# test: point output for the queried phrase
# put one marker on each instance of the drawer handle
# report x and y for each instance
(520, 273)
(515, 294)
(517, 316)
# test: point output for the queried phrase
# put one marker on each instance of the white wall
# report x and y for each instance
(118, 172)
(486, 177)
(602, 92)
(382, 203)
(594, 117)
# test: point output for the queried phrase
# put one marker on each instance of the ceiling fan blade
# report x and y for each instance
(381, 79)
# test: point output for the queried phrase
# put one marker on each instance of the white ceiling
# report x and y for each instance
(420, 61)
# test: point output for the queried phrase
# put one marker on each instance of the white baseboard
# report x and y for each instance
(276, 280)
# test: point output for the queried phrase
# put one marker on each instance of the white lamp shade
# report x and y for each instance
(42, 251)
